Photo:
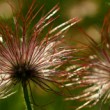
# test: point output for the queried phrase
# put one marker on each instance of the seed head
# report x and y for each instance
(92, 71)
(26, 57)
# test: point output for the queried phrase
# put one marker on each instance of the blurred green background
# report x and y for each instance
(92, 12)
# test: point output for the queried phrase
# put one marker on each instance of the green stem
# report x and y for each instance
(26, 97)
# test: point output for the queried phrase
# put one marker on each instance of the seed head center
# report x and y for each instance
(23, 72)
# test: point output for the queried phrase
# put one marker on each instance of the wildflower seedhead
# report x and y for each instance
(24, 58)
(92, 71)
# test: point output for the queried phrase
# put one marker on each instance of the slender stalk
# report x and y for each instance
(26, 97)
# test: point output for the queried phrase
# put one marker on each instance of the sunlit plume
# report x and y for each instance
(26, 57)
(91, 73)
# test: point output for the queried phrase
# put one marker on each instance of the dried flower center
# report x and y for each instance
(23, 72)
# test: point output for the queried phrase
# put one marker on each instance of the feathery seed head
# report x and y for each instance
(92, 74)
(25, 59)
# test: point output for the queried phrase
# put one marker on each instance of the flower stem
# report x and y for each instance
(26, 97)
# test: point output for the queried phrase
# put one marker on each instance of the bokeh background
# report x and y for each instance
(92, 13)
